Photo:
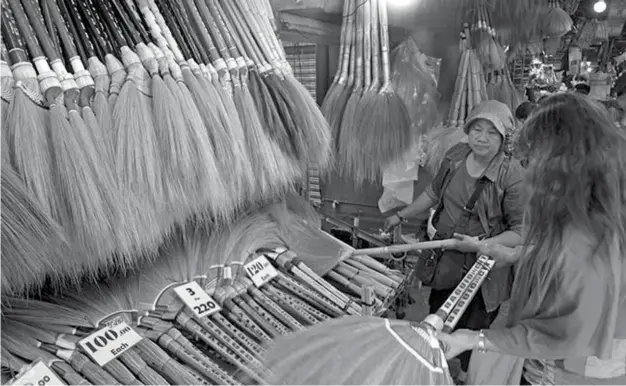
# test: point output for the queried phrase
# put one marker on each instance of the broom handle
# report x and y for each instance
(275, 44)
(384, 42)
(214, 33)
(16, 53)
(230, 32)
(136, 24)
(455, 315)
(367, 45)
(37, 24)
(50, 26)
(346, 43)
(223, 29)
(180, 34)
(343, 40)
(375, 47)
(201, 30)
(195, 39)
(437, 244)
(93, 46)
(256, 30)
(244, 34)
(159, 29)
(112, 11)
(101, 24)
(358, 78)
(24, 28)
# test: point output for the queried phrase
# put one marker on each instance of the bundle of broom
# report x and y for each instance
(555, 22)
(361, 102)
(369, 350)
(167, 125)
(179, 346)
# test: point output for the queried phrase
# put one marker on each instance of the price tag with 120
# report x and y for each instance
(110, 342)
(196, 299)
(37, 375)
(260, 271)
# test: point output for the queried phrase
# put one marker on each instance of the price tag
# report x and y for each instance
(110, 342)
(37, 374)
(197, 300)
(260, 271)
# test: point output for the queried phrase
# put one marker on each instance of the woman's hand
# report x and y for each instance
(466, 243)
(458, 342)
(391, 222)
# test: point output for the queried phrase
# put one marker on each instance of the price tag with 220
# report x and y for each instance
(37, 375)
(260, 271)
(196, 299)
(110, 342)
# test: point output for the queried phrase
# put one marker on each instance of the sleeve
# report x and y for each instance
(514, 199)
(566, 324)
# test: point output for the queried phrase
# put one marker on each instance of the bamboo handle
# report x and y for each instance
(86, 27)
(360, 31)
(343, 40)
(62, 28)
(24, 28)
(405, 247)
(211, 25)
(43, 35)
(10, 36)
(367, 45)
(384, 42)
(201, 31)
(256, 30)
(247, 39)
(221, 27)
(348, 66)
(375, 47)
(230, 32)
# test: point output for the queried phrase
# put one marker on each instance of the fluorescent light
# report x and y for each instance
(400, 3)
(599, 6)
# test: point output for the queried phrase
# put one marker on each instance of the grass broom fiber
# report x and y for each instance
(329, 104)
(227, 145)
(297, 359)
(347, 162)
(211, 188)
(383, 146)
(280, 172)
(266, 107)
(293, 100)
(87, 191)
(25, 129)
(34, 246)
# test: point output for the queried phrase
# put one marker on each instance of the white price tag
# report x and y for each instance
(260, 271)
(110, 342)
(37, 375)
(197, 300)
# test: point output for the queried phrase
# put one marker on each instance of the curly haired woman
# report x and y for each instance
(567, 321)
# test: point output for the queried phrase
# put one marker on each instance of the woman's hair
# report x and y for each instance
(523, 111)
(576, 179)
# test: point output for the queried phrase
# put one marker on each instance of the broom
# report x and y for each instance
(407, 345)
(6, 94)
(275, 125)
(283, 86)
(337, 95)
(27, 119)
(387, 111)
(33, 244)
(88, 192)
(208, 183)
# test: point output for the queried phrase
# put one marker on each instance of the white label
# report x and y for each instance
(110, 342)
(260, 271)
(38, 374)
(197, 300)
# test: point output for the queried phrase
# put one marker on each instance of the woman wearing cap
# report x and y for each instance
(477, 193)
(567, 320)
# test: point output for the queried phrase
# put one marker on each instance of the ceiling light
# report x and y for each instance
(599, 6)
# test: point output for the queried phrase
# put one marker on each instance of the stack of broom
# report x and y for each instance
(124, 120)
(370, 123)
(204, 312)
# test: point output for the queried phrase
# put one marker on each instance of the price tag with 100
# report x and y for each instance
(37, 375)
(110, 342)
(260, 271)
(196, 299)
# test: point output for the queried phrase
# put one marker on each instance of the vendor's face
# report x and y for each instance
(484, 139)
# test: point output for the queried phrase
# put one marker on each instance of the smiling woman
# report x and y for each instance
(477, 193)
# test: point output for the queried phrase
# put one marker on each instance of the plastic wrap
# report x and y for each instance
(415, 77)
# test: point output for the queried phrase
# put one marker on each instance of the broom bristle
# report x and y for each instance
(178, 170)
(365, 351)
(272, 121)
(87, 191)
(346, 143)
(33, 244)
(29, 149)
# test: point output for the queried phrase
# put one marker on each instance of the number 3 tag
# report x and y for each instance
(37, 375)
(260, 271)
(197, 300)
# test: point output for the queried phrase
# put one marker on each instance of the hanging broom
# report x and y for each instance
(337, 96)
(6, 90)
(27, 120)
